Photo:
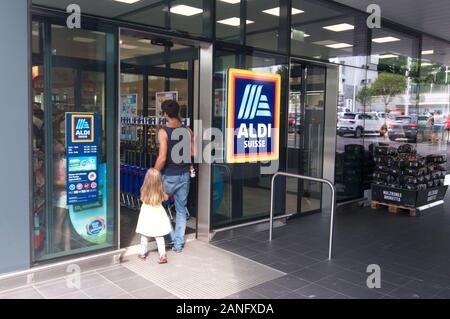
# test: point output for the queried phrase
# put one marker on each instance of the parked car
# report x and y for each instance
(358, 124)
(341, 111)
(410, 128)
(298, 125)
(291, 123)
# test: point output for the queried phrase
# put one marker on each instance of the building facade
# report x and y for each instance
(124, 58)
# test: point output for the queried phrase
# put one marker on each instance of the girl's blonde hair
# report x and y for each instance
(152, 192)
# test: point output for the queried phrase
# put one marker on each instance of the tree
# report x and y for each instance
(364, 96)
(388, 85)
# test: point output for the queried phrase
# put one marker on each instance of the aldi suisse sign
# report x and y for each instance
(253, 116)
(81, 157)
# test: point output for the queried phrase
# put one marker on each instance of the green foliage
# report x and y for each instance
(364, 95)
(388, 85)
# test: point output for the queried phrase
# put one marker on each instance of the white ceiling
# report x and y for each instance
(429, 16)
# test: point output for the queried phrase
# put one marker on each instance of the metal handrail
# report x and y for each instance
(312, 179)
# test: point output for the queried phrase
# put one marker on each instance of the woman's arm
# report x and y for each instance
(163, 147)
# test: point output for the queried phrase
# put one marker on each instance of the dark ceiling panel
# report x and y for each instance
(103, 8)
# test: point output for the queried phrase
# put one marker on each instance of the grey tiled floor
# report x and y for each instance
(413, 253)
(115, 282)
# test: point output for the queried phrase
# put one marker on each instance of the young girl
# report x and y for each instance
(153, 219)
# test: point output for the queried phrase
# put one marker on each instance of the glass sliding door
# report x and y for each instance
(305, 136)
(77, 68)
(153, 69)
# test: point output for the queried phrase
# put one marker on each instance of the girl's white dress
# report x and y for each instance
(153, 221)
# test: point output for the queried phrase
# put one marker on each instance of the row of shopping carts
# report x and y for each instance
(131, 180)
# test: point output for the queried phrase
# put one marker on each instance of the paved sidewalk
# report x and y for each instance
(201, 271)
(413, 253)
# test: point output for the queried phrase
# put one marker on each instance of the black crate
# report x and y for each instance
(407, 198)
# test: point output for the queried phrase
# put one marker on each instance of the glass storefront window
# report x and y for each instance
(188, 16)
(228, 20)
(394, 102)
(185, 16)
(36, 40)
(305, 136)
(266, 27)
(132, 84)
(240, 191)
(155, 84)
(38, 139)
(260, 24)
(393, 51)
(79, 72)
(322, 31)
(432, 94)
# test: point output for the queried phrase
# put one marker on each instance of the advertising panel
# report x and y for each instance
(253, 116)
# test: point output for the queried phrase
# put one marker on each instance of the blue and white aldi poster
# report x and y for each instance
(253, 116)
(82, 156)
(90, 220)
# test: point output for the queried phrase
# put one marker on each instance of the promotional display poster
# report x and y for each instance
(82, 156)
(90, 220)
(164, 96)
(128, 109)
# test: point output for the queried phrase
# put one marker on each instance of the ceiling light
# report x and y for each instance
(185, 10)
(235, 22)
(388, 56)
(339, 45)
(427, 52)
(340, 27)
(145, 41)
(385, 39)
(98, 33)
(128, 1)
(426, 64)
(35, 33)
(276, 11)
(83, 40)
(231, 1)
(128, 47)
(325, 42)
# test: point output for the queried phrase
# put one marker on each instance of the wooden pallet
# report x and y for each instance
(394, 209)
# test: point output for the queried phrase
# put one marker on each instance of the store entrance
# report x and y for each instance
(153, 69)
(305, 136)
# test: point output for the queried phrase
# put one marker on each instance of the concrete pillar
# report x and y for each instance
(15, 131)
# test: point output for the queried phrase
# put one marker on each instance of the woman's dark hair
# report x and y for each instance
(171, 108)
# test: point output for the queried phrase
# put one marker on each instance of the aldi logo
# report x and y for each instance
(253, 116)
(82, 128)
(254, 103)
